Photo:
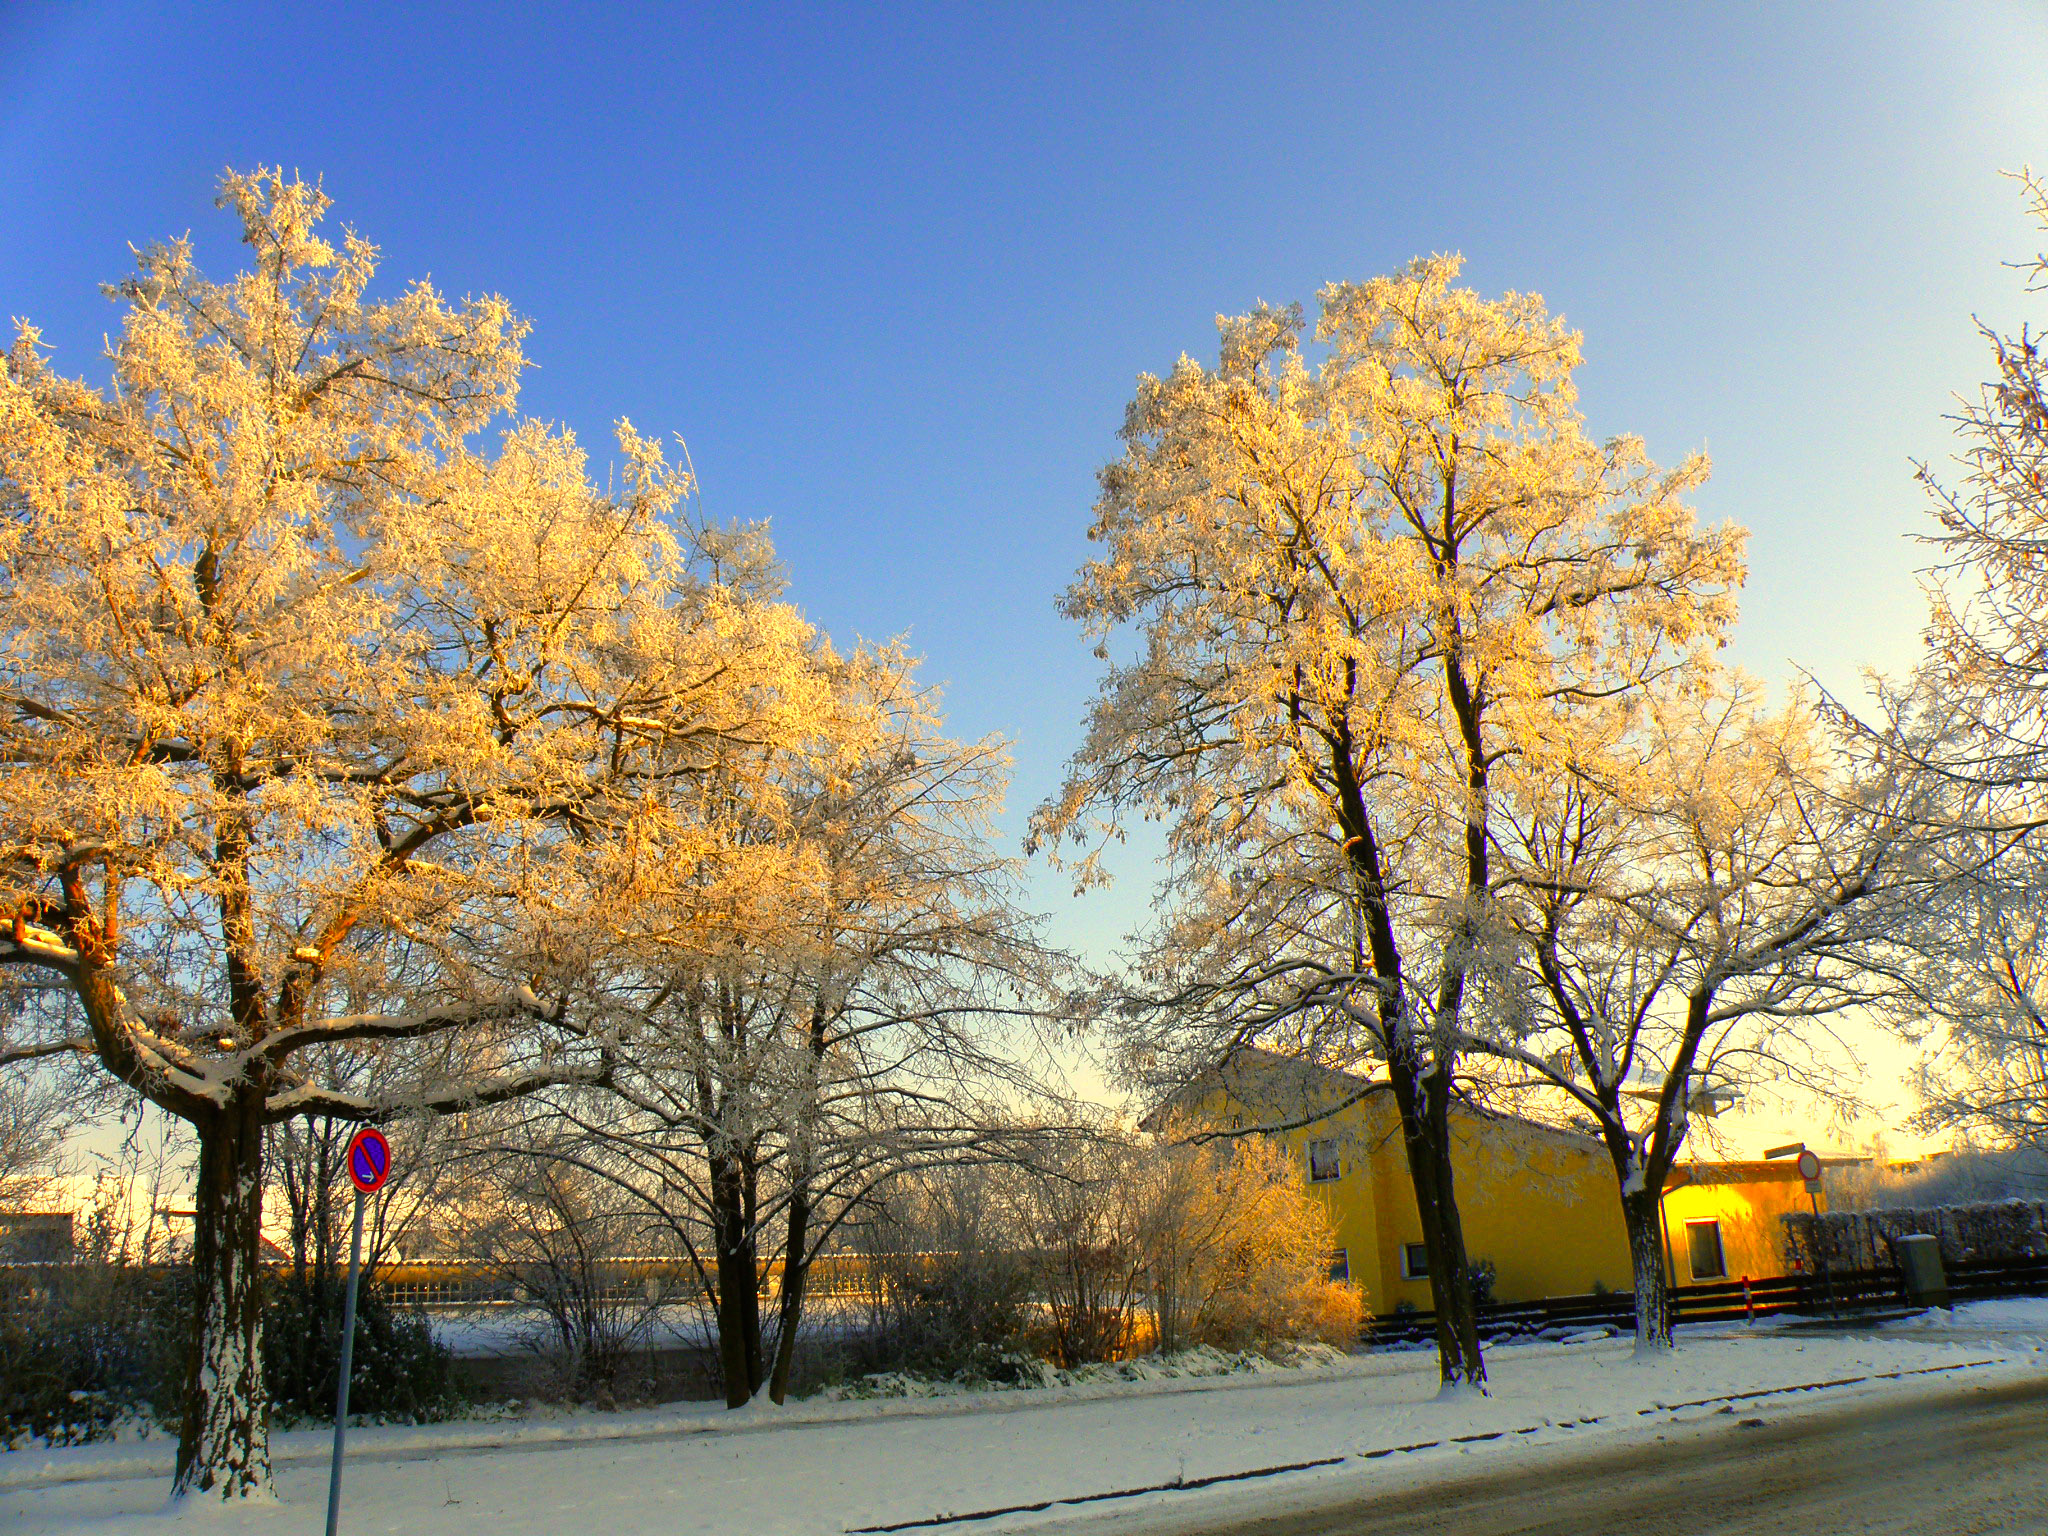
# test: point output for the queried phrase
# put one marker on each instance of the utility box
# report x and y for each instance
(1920, 1267)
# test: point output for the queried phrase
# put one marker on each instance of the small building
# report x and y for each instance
(1721, 1220)
(35, 1237)
(1538, 1203)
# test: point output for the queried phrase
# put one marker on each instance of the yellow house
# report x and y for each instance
(1537, 1202)
(1721, 1220)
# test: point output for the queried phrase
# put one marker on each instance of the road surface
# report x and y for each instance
(1962, 1462)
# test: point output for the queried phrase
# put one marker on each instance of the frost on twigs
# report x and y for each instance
(308, 682)
(1370, 570)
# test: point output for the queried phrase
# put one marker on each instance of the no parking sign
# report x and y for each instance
(369, 1160)
(369, 1166)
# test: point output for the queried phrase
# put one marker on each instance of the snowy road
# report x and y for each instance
(1368, 1425)
(1961, 1462)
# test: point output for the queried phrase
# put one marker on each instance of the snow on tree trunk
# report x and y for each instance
(739, 1297)
(1646, 1257)
(795, 1274)
(1425, 1119)
(224, 1436)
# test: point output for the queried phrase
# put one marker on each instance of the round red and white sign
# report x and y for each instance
(1809, 1164)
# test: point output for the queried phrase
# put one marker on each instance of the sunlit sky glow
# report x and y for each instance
(891, 272)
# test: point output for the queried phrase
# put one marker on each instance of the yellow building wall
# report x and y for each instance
(1747, 1199)
(1541, 1204)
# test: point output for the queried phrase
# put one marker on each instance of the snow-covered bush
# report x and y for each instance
(559, 1234)
(400, 1372)
(83, 1346)
(1991, 1230)
(1083, 1209)
(1100, 1249)
(949, 1288)
(87, 1345)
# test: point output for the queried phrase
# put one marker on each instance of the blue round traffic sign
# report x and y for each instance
(369, 1160)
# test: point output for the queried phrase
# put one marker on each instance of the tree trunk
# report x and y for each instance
(739, 1297)
(796, 1273)
(1640, 1212)
(224, 1437)
(1424, 1103)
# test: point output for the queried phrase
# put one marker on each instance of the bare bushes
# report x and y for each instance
(1104, 1248)
(86, 1343)
(1082, 1213)
(1237, 1252)
(562, 1239)
(401, 1371)
(948, 1287)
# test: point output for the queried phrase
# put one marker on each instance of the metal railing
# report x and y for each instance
(468, 1284)
(1856, 1293)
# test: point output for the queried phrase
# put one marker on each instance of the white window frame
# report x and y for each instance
(1720, 1247)
(1336, 1161)
(1407, 1269)
(1340, 1264)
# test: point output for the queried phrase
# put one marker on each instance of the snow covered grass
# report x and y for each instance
(1032, 1374)
(830, 1466)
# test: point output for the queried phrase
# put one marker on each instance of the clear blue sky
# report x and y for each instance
(891, 272)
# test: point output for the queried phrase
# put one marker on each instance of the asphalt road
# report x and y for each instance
(1964, 1462)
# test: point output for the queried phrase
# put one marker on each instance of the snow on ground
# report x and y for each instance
(512, 1330)
(2018, 1316)
(842, 1466)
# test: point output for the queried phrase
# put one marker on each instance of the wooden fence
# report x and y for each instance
(1849, 1294)
(465, 1285)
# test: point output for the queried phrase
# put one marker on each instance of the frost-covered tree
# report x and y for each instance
(1980, 1006)
(302, 684)
(36, 1116)
(1985, 980)
(1693, 896)
(875, 1018)
(1359, 588)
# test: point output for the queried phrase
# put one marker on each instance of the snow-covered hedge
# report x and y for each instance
(1996, 1229)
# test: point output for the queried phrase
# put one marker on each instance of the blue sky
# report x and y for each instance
(892, 272)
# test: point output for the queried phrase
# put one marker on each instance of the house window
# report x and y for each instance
(1340, 1264)
(1323, 1165)
(1703, 1247)
(1414, 1261)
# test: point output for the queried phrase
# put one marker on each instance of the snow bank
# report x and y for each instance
(2018, 1316)
(853, 1465)
(1203, 1361)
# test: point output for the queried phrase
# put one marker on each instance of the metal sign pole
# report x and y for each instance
(1810, 1171)
(369, 1165)
(348, 1352)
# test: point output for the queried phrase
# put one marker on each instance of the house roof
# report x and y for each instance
(1297, 1093)
(1748, 1171)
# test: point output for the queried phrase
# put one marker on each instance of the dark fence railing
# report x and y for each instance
(1857, 1293)
(464, 1284)
(461, 1285)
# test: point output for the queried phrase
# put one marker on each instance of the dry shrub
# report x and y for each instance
(1102, 1248)
(949, 1288)
(1082, 1220)
(1236, 1251)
